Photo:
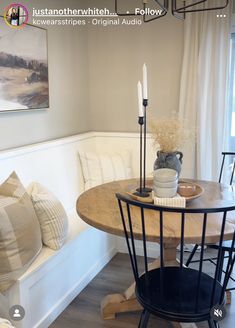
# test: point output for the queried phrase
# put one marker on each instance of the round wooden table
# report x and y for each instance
(99, 208)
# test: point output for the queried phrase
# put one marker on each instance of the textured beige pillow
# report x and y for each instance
(20, 236)
(51, 215)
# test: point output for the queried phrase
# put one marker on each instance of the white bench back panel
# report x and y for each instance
(54, 164)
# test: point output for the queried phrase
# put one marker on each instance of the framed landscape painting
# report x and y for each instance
(23, 68)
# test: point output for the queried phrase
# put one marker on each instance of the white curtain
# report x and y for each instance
(203, 89)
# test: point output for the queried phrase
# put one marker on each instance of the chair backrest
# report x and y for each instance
(224, 156)
(137, 214)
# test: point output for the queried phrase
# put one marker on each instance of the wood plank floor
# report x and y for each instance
(84, 311)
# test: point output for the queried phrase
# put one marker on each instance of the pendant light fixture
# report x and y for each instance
(190, 6)
(179, 8)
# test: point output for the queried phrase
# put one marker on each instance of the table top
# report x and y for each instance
(99, 208)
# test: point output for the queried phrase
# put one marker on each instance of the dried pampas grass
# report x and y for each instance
(171, 134)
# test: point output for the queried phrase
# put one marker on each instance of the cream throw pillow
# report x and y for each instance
(51, 215)
(20, 236)
(99, 168)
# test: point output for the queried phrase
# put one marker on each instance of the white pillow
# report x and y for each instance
(51, 215)
(99, 168)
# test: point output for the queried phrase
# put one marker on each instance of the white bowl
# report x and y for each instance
(165, 175)
(165, 192)
(171, 184)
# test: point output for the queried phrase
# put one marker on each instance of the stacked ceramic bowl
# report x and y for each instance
(165, 183)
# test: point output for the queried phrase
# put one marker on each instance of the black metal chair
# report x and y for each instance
(226, 245)
(174, 293)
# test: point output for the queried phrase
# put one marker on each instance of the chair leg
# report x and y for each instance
(144, 319)
(213, 324)
(191, 255)
(221, 266)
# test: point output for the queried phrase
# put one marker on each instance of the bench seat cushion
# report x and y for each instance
(76, 226)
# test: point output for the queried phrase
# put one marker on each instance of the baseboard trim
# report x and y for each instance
(61, 305)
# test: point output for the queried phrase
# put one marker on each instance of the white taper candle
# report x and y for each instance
(140, 99)
(145, 82)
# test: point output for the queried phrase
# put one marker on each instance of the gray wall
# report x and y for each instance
(116, 56)
(93, 73)
(68, 83)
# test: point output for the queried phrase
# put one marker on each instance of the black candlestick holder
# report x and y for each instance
(140, 192)
(144, 188)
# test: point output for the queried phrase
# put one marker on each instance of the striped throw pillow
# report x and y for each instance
(20, 236)
(51, 215)
(99, 168)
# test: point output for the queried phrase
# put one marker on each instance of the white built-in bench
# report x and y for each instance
(55, 278)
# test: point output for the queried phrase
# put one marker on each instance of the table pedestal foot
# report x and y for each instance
(176, 325)
(126, 302)
(228, 297)
(117, 303)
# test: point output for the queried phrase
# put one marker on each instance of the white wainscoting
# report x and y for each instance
(55, 278)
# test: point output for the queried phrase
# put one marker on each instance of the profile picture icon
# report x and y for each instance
(17, 313)
(16, 15)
